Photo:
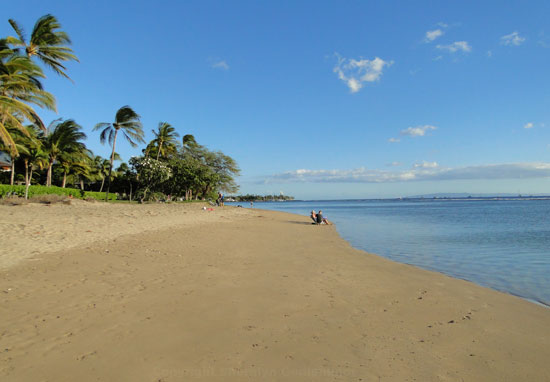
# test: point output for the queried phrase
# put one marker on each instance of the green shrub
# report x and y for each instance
(7, 190)
(98, 195)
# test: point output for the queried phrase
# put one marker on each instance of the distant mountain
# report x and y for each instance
(466, 195)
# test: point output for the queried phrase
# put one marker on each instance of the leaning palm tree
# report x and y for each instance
(165, 140)
(61, 137)
(189, 145)
(127, 121)
(48, 43)
(20, 87)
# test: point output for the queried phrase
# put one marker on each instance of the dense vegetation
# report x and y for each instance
(260, 198)
(57, 155)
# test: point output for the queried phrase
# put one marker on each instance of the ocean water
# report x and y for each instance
(500, 244)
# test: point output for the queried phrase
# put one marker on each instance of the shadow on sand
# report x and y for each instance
(301, 222)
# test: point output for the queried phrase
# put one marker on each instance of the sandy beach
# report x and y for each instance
(171, 292)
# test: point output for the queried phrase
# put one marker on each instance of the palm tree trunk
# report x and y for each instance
(49, 175)
(27, 177)
(26, 162)
(102, 183)
(111, 168)
(82, 184)
(12, 175)
(64, 179)
(160, 148)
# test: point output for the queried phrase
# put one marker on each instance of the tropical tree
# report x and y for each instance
(189, 143)
(61, 137)
(20, 87)
(126, 179)
(101, 168)
(165, 141)
(48, 43)
(199, 172)
(151, 174)
(15, 149)
(104, 167)
(126, 121)
(33, 157)
(75, 162)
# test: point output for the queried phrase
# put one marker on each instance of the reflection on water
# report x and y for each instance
(504, 245)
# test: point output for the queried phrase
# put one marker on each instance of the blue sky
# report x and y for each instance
(354, 99)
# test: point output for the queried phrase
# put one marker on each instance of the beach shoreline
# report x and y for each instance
(240, 294)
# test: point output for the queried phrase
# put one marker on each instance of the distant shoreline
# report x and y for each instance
(414, 199)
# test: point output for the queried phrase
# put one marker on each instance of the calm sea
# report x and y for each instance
(501, 244)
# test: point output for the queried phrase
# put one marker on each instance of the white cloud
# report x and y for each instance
(512, 39)
(429, 172)
(426, 165)
(528, 125)
(220, 65)
(394, 140)
(418, 131)
(355, 73)
(394, 164)
(456, 46)
(489, 53)
(432, 35)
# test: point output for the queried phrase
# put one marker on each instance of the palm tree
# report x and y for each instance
(165, 139)
(127, 175)
(47, 42)
(14, 150)
(127, 121)
(101, 168)
(62, 137)
(33, 156)
(77, 162)
(19, 86)
(188, 140)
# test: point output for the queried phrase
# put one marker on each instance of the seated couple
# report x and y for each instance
(318, 217)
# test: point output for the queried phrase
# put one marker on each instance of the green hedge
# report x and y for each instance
(98, 195)
(43, 190)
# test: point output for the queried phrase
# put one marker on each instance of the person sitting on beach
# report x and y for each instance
(313, 216)
(321, 219)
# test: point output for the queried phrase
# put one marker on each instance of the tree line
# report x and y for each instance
(260, 198)
(57, 155)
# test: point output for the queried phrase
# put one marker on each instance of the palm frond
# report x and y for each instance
(20, 32)
(129, 138)
(6, 138)
(45, 31)
(101, 125)
(112, 133)
(135, 133)
(126, 114)
(104, 132)
(53, 65)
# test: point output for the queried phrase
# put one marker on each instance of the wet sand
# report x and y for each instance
(95, 292)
